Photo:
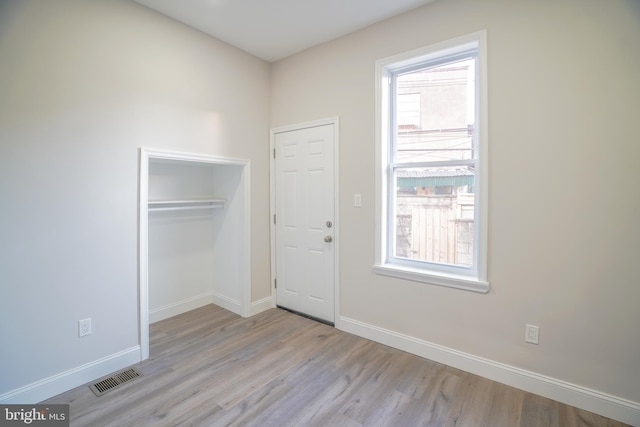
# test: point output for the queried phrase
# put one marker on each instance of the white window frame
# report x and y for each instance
(474, 278)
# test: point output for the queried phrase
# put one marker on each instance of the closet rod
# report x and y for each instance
(173, 205)
(183, 208)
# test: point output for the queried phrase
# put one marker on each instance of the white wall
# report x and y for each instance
(564, 195)
(83, 84)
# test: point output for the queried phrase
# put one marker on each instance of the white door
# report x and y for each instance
(304, 222)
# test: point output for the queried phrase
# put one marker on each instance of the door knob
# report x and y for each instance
(328, 239)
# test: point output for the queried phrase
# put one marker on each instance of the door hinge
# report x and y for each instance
(274, 218)
(275, 283)
(274, 153)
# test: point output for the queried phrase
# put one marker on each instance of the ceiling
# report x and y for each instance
(274, 29)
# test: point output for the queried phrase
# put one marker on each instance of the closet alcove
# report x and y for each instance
(194, 235)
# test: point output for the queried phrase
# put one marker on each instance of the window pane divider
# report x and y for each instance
(471, 162)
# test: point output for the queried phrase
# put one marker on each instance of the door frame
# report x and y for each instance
(272, 204)
(147, 154)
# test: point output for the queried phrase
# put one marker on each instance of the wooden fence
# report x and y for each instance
(435, 228)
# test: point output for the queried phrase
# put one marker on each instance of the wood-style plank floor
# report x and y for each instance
(210, 367)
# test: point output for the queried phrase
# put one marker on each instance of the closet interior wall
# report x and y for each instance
(195, 221)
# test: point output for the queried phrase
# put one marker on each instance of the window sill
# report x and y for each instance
(433, 278)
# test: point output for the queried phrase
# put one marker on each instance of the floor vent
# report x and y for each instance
(113, 381)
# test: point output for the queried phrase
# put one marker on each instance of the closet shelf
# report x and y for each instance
(178, 205)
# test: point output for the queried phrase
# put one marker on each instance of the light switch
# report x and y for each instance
(357, 200)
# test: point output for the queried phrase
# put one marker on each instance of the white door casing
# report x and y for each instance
(305, 229)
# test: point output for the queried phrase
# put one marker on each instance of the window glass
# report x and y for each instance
(435, 112)
(433, 205)
(434, 214)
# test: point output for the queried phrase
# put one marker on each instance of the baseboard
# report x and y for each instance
(170, 310)
(59, 383)
(581, 397)
(230, 304)
(198, 301)
(261, 305)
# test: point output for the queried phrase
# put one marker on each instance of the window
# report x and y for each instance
(431, 177)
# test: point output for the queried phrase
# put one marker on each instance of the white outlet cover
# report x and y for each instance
(84, 327)
(532, 334)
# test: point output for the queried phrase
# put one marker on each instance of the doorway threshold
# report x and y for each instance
(308, 316)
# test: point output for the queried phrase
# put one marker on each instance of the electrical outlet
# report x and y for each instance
(357, 200)
(84, 327)
(531, 334)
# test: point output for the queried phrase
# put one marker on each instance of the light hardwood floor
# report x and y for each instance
(210, 367)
